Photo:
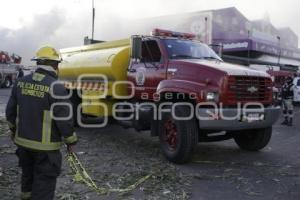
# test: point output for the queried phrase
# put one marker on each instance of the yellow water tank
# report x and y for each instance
(108, 59)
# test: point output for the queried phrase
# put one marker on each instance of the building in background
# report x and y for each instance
(257, 44)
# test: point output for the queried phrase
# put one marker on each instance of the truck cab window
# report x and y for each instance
(150, 51)
(187, 49)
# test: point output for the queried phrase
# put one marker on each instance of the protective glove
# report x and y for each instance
(70, 147)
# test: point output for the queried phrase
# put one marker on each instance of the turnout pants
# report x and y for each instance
(39, 173)
(288, 108)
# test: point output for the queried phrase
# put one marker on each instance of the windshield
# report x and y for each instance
(186, 49)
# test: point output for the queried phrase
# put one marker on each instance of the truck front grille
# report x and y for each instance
(249, 89)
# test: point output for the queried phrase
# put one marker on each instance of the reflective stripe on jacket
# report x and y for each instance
(29, 112)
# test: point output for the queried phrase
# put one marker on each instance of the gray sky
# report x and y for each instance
(26, 25)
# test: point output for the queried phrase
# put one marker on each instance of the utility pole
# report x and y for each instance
(279, 50)
(93, 19)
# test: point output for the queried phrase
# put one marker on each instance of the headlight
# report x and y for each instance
(212, 96)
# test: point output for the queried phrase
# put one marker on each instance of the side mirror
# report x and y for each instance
(218, 48)
(136, 47)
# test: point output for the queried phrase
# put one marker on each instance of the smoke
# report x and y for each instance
(51, 28)
(25, 40)
(59, 30)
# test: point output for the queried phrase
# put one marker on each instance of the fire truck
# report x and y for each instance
(173, 85)
(9, 64)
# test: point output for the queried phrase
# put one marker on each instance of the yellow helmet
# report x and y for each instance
(47, 53)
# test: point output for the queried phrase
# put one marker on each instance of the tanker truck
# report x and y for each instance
(173, 85)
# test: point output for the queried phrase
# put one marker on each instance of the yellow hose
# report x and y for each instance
(80, 175)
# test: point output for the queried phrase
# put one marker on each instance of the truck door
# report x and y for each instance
(147, 74)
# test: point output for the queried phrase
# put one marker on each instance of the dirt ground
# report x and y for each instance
(116, 157)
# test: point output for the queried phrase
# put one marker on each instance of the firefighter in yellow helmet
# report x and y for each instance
(41, 121)
(287, 93)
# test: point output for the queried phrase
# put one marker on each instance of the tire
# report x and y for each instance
(178, 138)
(253, 140)
(7, 83)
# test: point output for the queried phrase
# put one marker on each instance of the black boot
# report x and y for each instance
(290, 123)
(285, 122)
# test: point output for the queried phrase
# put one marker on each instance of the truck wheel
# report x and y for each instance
(7, 83)
(178, 138)
(253, 140)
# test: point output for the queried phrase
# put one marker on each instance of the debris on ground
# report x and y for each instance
(125, 167)
(133, 167)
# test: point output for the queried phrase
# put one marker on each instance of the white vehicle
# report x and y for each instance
(297, 90)
(8, 74)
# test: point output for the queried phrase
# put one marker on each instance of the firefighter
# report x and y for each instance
(20, 72)
(35, 113)
(287, 93)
